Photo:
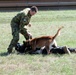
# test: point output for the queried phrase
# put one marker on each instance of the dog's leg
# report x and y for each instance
(54, 44)
(47, 49)
(51, 44)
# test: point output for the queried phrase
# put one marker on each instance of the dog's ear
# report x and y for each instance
(23, 42)
(26, 43)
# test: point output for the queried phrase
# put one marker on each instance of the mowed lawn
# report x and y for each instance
(43, 23)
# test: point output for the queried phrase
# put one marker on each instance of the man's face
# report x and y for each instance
(32, 13)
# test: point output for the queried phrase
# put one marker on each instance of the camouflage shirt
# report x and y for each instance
(22, 18)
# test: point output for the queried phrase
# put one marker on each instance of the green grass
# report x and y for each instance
(43, 23)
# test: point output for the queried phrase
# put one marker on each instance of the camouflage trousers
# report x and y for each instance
(15, 33)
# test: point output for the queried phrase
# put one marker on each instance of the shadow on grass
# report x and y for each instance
(4, 54)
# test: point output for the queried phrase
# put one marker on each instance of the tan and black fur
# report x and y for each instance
(46, 41)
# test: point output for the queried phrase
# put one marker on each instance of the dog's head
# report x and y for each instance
(27, 45)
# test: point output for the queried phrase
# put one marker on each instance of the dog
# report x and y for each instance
(46, 41)
(23, 49)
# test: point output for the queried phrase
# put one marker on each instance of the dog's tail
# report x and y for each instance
(58, 32)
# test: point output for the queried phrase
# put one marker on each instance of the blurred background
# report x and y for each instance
(52, 4)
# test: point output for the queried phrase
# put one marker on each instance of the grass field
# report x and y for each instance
(43, 23)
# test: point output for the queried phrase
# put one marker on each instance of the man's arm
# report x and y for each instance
(23, 22)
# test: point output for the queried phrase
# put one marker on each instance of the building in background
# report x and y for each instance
(22, 3)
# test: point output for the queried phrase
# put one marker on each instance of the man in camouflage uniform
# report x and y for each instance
(17, 25)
